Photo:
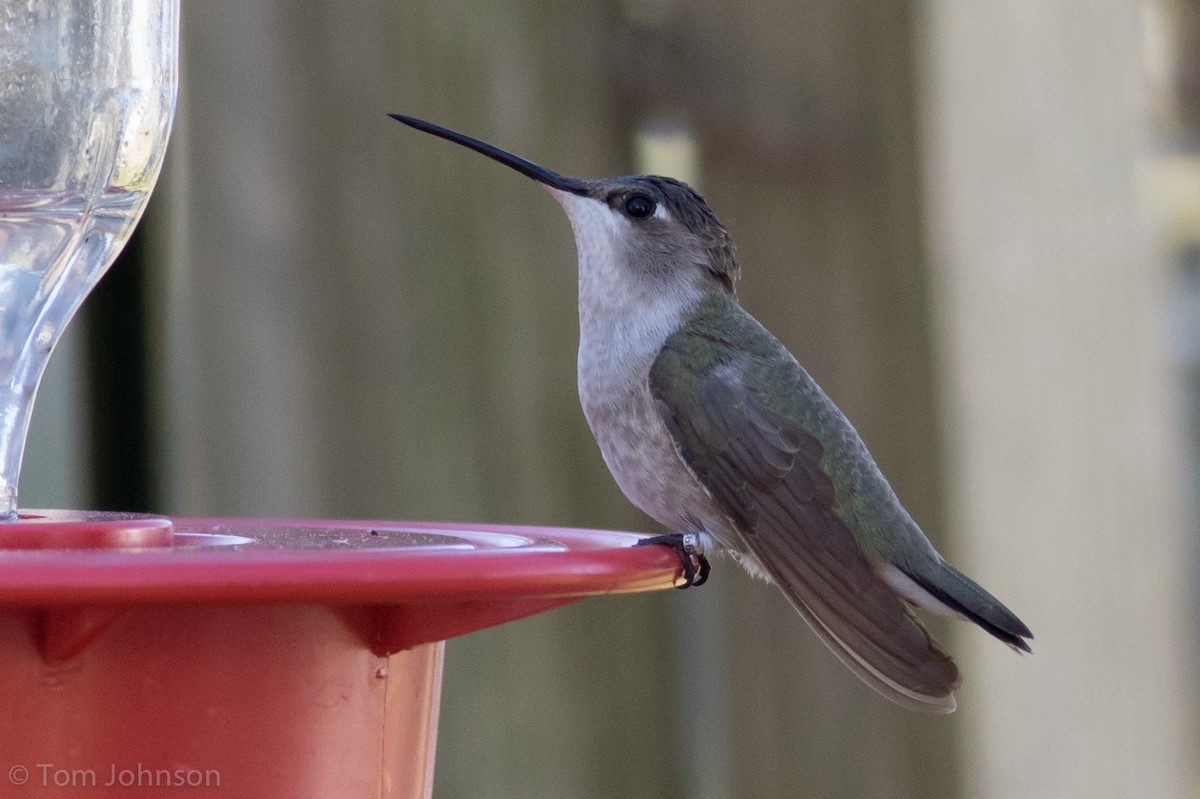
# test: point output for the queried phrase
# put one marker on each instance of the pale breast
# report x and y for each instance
(642, 458)
(614, 368)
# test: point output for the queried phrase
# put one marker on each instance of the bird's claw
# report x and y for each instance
(687, 545)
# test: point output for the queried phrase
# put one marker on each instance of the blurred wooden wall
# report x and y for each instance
(1065, 468)
(352, 319)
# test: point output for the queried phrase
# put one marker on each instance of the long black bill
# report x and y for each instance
(527, 168)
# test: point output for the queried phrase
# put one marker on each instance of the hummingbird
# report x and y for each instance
(712, 427)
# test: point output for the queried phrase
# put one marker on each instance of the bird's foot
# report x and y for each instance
(695, 564)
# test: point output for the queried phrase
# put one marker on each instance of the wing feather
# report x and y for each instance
(763, 469)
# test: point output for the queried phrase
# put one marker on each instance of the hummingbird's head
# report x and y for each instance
(657, 227)
(648, 228)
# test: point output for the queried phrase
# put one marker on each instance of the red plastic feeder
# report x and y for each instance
(260, 657)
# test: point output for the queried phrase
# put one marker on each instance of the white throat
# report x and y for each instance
(611, 290)
(624, 315)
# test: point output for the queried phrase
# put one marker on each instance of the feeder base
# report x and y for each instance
(249, 700)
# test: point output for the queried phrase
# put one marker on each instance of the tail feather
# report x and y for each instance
(960, 593)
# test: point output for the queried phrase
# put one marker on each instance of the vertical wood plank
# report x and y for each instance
(1064, 464)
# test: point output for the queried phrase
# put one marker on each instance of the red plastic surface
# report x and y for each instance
(240, 701)
(82, 530)
(260, 657)
(288, 560)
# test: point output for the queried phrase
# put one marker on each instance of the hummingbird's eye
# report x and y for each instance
(639, 206)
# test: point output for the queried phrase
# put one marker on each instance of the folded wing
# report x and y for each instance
(763, 468)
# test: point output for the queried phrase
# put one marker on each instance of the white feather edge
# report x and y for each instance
(914, 594)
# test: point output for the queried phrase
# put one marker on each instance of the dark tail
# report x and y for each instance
(960, 593)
